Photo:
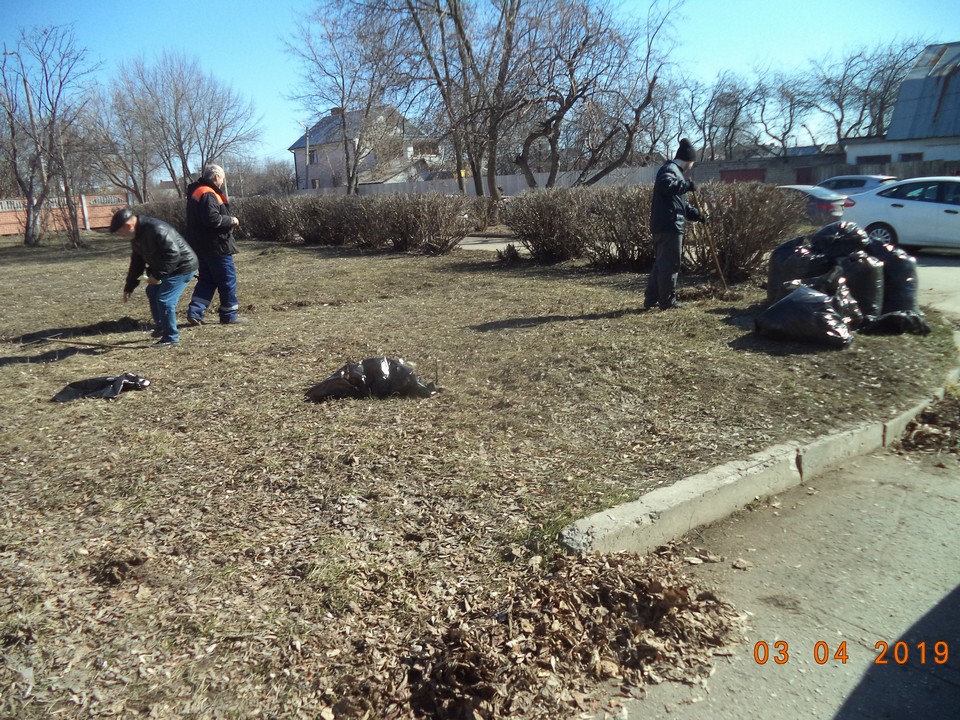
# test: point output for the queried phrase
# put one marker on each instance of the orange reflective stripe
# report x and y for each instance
(203, 190)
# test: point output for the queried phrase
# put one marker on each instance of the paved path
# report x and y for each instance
(864, 560)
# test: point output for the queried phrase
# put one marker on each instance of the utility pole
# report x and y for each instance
(306, 164)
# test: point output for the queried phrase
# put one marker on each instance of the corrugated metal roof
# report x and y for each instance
(928, 104)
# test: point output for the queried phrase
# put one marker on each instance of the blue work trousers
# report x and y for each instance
(217, 274)
(163, 304)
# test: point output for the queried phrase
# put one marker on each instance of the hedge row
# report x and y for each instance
(610, 226)
(430, 224)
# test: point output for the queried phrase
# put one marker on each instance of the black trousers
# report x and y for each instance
(662, 285)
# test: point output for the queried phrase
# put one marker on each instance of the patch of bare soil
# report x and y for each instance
(215, 546)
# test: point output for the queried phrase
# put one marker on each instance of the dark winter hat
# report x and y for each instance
(686, 151)
(120, 218)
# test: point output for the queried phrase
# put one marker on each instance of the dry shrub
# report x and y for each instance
(747, 221)
(431, 224)
(616, 226)
(332, 220)
(173, 212)
(268, 218)
(611, 226)
(547, 222)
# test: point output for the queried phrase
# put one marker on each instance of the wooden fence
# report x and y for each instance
(93, 212)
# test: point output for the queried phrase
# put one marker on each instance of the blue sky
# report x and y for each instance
(242, 42)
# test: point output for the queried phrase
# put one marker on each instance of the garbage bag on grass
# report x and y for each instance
(806, 315)
(900, 283)
(378, 377)
(834, 284)
(864, 276)
(839, 239)
(898, 323)
(793, 260)
(101, 387)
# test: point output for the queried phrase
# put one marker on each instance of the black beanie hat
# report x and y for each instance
(686, 151)
(120, 218)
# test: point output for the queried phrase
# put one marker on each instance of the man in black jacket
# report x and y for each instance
(210, 233)
(669, 213)
(161, 253)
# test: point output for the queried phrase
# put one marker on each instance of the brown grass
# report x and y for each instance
(214, 545)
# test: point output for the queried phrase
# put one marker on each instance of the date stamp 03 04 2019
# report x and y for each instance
(898, 653)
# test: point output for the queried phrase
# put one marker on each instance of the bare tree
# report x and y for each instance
(782, 105)
(581, 54)
(126, 154)
(190, 117)
(857, 92)
(722, 113)
(274, 177)
(890, 64)
(41, 99)
(352, 56)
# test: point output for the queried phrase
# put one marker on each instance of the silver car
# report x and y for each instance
(919, 212)
(823, 206)
(852, 184)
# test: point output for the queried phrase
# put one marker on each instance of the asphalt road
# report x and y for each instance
(852, 594)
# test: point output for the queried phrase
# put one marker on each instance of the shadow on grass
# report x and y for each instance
(65, 350)
(50, 356)
(122, 325)
(528, 322)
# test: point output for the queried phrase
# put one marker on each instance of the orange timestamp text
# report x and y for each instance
(896, 653)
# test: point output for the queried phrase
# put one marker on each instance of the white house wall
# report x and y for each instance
(932, 149)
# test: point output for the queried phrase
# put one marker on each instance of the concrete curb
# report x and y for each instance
(668, 513)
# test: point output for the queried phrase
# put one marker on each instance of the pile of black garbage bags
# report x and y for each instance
(828, 286)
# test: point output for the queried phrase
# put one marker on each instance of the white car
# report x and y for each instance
(852, 184)
(919, 212)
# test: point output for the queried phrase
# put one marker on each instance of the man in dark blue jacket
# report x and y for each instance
(161, 253)
(210, 233)
(669, 213)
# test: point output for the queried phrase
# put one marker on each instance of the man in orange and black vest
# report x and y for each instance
(210, 233)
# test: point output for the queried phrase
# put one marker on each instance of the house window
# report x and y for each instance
(911, 157)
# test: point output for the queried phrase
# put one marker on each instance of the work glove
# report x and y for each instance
(691, 186)
(704, 216)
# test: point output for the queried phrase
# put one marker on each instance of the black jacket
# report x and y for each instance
(670, 210)
(160, 250)
(209, 223)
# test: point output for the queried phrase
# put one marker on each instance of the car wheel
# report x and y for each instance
(882, 233)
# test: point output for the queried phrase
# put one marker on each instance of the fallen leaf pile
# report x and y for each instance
(544, 648)
(937, 429)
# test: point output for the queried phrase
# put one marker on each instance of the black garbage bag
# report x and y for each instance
(793, 260)
(374, 377)
(101, 387)
(839, 239)
(900, 283)
(898, 323)
(835, 285)
(864, 275)
(881, 251)
(805, 315)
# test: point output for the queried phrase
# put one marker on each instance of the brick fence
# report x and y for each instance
(93, 212)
